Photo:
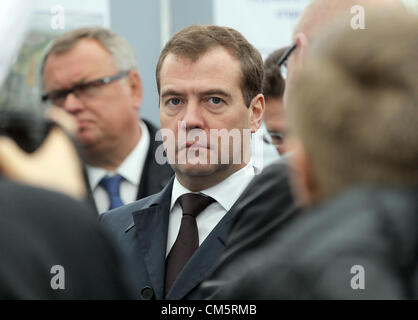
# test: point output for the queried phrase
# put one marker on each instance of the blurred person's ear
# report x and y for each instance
(295, 64)
(301, 55)
(55, 165)
(301, 173)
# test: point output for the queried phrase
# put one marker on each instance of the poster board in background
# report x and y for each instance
(267, 24)
(22, 90)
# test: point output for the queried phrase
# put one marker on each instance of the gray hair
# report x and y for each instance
(119, 48)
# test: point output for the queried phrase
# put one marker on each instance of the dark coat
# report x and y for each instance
(313, 255)
(264, 207)
(140, 229)
(40, 229)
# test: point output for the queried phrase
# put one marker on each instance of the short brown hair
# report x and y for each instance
(273, 82)
(355, 105)
(194, 41)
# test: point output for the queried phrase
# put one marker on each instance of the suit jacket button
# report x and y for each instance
(147, 293)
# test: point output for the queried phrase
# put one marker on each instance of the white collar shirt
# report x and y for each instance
(226, 193)
(130, 169)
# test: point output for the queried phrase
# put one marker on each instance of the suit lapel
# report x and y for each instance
(205, 257)
(89, 197)
(152, 227)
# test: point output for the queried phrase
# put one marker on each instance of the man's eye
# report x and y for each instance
(215, 100)
(88, 90)
(174, 101)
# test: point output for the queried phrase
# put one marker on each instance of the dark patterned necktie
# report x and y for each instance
(188, 237)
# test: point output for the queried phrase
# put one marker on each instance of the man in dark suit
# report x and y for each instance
(209, 79)
(92, 74)
(354, 168)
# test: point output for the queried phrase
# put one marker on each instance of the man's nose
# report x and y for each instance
(194, 116)
(72, 104)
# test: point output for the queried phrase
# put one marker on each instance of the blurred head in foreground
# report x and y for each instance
(353, 112)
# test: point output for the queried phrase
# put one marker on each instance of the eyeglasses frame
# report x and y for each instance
(93, 83)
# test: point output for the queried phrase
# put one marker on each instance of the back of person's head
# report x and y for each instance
(194, 41)
(354, 108)
(273, 82)
(118, 47)
(316, 19)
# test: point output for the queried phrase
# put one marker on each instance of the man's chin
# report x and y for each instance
(86, 141)
(197, 170)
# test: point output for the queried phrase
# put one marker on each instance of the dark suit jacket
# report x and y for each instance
(263, 208)
(140, 231)
(40, 229)
(154, 176)
(312, 257)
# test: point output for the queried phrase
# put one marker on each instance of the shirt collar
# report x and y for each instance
(226, 193)
(129, 168)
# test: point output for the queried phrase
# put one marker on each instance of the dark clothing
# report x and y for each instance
(140, 231)
(313, 255)
(154, 176)
(40, 229)
(265, 205)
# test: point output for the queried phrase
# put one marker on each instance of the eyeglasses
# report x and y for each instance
(83, 91)
(274, 137)
(282, 62)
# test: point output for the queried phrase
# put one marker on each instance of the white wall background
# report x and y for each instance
(267, 24)
(99, 9)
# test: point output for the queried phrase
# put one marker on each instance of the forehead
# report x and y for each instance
(87, 58)
(215, 67)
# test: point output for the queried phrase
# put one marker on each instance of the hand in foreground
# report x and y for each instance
(55, 165)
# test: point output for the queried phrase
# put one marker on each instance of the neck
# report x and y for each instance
(196, 183)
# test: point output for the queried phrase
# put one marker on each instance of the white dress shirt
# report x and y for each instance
(225, 193)
(130, 169)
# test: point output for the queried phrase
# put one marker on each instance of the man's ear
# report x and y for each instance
(257, 111)
(303, 185)
(302, 42)
(135, 84)
(296, 63)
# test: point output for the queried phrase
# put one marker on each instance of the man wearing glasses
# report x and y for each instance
(273, 89)
(92, 74)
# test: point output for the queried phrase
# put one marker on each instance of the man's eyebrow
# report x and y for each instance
(170, 92)
(219, 92)
(73, 84)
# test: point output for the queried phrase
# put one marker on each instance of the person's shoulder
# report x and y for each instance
(268, 191)
(315, 251)
(152, 128)
(121, 218)
(364, 209)
(275, 174)
(20, 199)
(346, 224)
(281, 165)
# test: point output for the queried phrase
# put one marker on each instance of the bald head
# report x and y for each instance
(321, 12)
